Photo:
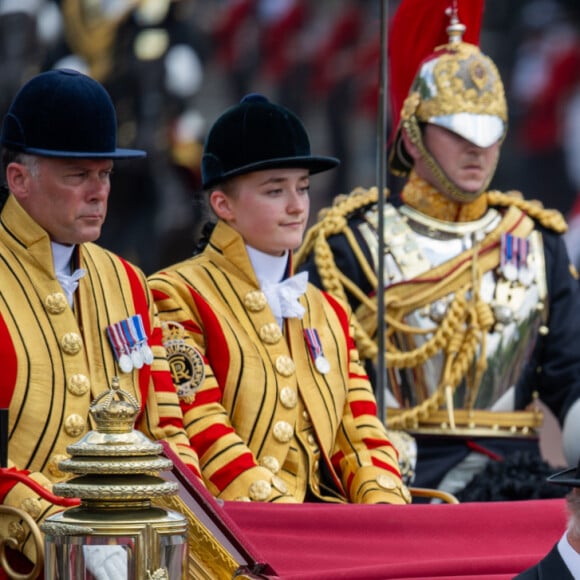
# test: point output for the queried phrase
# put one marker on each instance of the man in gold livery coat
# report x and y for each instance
(275, 401)
(482, 307)
(72, 315)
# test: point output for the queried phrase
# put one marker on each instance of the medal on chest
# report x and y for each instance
(315, 347)
(514, 264)
(129, 342)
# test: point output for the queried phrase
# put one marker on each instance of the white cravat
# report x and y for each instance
(282, 295)
(62, 256)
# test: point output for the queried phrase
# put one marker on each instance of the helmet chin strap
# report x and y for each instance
(445, 184)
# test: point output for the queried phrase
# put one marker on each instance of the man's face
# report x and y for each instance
(67, 197)
(466, 165)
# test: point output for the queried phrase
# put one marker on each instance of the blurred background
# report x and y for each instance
(172, 66)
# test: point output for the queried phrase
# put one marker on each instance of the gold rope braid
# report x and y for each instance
(332, 221)
(463, 330)
(549, 218)
(469, 323)
(466, 323)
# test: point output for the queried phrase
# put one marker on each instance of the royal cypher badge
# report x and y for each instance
(185, 361)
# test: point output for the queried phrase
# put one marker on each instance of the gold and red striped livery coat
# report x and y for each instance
(55, 360)
(267, 426)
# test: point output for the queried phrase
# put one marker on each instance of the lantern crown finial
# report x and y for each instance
(115, 410)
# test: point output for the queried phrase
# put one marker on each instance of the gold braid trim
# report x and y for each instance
(466, 323)
(332, 221)
(549, 218)
(464, 327)
(207, 558)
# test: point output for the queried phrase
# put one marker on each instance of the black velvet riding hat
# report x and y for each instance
(254, 135)
(569, 477)
(63, 113)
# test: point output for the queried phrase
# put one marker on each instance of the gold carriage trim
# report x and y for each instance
(476, 423)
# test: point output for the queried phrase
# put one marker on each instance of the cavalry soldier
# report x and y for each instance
(482, 307)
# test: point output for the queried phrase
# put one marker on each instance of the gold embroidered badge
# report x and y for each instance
(185, 361)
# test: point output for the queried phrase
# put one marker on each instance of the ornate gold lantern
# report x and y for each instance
(116, 532)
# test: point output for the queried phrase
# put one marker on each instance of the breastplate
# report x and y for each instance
(414, 245)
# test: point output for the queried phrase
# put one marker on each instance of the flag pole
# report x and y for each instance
(381, 185)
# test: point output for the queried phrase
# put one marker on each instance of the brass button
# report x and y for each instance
(270, 463)
(71, 343)
(285, 366)
(283, 431)
(316, 466)
(255, 301)
(311, 439)
(260, 490)
(56, 303)
(386, 482)
(270, 333)
(288, 397)
(279, 484)
(53, 467)
(31, 505)
(78, 384)
(74, 425)
(306, 416)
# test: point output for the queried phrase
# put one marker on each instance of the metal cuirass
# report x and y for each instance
(455, 355)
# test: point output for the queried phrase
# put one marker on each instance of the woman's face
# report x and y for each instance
(268, 208)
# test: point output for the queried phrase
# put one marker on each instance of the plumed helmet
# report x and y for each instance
(456, 87)
(63, 113)
(254, 135)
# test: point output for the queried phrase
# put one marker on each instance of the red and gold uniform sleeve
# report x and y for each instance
(363, 456)
(229, 467)
(162, 419)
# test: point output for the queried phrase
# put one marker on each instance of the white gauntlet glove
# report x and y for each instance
(106, 562)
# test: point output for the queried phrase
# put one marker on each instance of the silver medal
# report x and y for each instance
(510, 272)
(137, 359)
(322, 365)
(524, 276)
(147, 354)
(125, 363)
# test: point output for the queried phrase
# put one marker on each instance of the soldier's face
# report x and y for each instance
(269, 208)
(468, 166)
(66, 197)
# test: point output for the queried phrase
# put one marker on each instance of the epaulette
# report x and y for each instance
(548, 218)
(334, 219)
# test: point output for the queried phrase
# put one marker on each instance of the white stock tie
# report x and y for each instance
(70, 283)
(283, 296)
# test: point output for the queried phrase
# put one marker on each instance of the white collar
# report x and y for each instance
(283, 294)
(61, 256)
(570, 556)
(270, 269)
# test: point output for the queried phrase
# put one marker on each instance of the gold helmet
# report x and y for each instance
(456, 87)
